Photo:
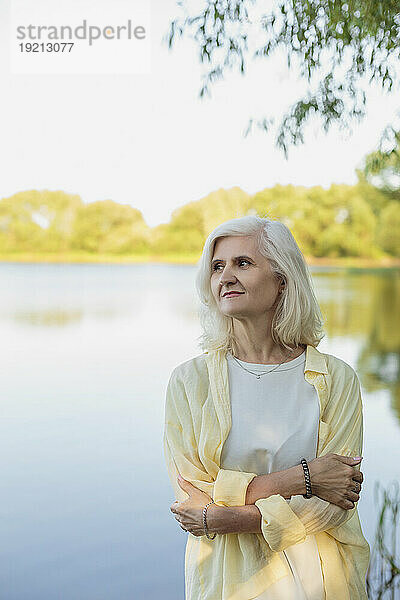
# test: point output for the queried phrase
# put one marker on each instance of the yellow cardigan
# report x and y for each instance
(242, 566)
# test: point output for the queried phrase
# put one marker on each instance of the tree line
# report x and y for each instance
(359, 220)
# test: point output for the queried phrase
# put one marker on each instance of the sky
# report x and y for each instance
(148, 140)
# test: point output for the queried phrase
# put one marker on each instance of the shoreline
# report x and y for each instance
(83, 258)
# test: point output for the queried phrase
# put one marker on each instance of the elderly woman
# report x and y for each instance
(263, 432)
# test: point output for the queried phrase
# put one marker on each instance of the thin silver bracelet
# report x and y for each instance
(205, 521)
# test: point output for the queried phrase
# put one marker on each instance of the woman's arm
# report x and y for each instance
(232, 489)
(233, 519)
(285, 523)
(228, 488)
(286, 483)
(314, 514)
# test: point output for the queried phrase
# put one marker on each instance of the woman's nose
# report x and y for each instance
(227, 276)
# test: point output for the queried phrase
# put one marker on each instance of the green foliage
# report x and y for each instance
(37, 221)
(375, 197)
(389, 229)
(221, 205)
(356, 38)
(46, 221)
(382, 167)
(331, 223)
(383, 574)
(108, 227)
(352, 228)
(191, 223)
(167, 240)
(343, 221)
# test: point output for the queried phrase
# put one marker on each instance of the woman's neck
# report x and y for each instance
(255, 345)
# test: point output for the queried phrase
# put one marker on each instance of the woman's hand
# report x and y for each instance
(189, 513)
(334, 479)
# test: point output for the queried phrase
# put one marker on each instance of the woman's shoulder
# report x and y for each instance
(344, 388)
(336, 363)
(191, 369)
(337, 367)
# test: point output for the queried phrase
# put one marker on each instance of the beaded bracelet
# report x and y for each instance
(205, 522)
(307, 478)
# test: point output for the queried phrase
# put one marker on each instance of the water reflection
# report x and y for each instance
(366, 307)
(83, 426)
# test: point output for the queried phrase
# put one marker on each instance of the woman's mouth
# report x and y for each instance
(232, 294)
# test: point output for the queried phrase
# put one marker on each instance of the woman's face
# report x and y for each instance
(238, 266)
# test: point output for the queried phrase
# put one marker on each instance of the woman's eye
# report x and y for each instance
(243, 260)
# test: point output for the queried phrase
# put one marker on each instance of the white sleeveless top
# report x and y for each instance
(274, 425)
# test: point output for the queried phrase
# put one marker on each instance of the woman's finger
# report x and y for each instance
(356, 487)
(186, 485)
(353, 496)
(174, 506)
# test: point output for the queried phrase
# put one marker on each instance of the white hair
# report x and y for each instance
(297, 319)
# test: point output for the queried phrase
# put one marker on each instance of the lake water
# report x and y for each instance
(87, 351)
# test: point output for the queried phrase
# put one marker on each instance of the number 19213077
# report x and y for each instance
(46, 47)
